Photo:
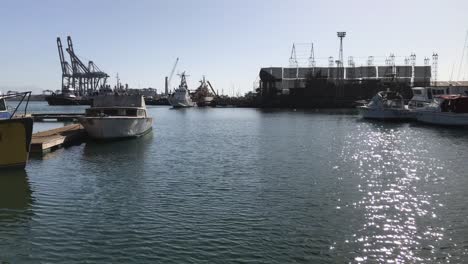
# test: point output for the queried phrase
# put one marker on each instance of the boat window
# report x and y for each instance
(2, 105)
(110, 112)
(437, 91)
(141, 112)
(92, 112)
(417, 92)
(131, 112)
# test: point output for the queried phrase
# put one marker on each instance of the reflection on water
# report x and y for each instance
(15, 192)
(119, 149)
(400, 210)
(15, 213)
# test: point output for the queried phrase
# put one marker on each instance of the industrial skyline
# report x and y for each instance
(226, 41)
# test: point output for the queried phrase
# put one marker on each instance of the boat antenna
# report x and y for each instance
(463, 54)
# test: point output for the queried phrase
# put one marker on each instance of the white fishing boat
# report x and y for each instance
(450, 110)
(181, 96)
(385, 105)
(117, 116)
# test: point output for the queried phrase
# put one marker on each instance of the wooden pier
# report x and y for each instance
(49, 140)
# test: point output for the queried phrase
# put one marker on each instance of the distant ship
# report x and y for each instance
(181, 96)
(203, 96)
(68, 99)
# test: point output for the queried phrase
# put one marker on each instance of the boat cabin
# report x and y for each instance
(117, 105)
(387, 99)
(424, 95)
(112, 111)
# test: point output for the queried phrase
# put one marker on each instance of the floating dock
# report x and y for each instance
(46, 141)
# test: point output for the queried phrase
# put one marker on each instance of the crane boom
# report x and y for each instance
(76, 62)
(212, 88)
(61, 56)
(173, 70)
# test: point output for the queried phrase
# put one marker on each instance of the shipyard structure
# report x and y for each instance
(340, 86)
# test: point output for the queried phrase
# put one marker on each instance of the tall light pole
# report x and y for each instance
(341, 35)
(340, 70)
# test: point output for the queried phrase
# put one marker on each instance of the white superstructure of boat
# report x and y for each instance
(117, 116)
(181, 96)
(385, 105)
(422, 96)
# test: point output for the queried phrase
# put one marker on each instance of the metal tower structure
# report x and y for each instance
(413, 64)
(340, 67)
(435, 66)
(407, 61)
(387, 61)
(293, 59)
(426, 61)
(413, 59)
(351, 62)
(392, 63)
(341, 35)
(312, 56)
(331, 62)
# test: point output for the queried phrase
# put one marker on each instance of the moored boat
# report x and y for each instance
(68, 99)
(450, 110)
(385, 105)
(203, 96)
(181, 96)
(117, 116)
(15, 133)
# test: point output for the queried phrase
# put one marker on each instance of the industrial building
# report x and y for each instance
(337, 85)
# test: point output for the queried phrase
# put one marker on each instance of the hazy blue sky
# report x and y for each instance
(228, 41)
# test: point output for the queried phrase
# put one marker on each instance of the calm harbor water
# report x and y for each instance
(244, 185)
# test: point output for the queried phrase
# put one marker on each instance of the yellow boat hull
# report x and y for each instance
(15, 141)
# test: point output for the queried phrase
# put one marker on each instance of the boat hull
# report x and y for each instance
(181, 99)
(63, 100)
(385, 114)
(443, 118)
(116, 127)
(182, 105)
(15, 142)
(160, 101)
(206, 101)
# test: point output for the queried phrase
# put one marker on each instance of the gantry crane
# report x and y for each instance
(78, 77)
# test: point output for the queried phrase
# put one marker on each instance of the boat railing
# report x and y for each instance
(24, 96)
